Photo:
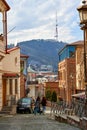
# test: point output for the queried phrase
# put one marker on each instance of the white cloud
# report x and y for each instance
(36, 19)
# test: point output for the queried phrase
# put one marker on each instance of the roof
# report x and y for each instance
(80, 43)
(24, 56)
(10, 75)
(77, 43)
(4, 3)
(39, 76)
(79, 95)
(12, 49)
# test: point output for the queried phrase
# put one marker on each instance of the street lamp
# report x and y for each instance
(83, 22)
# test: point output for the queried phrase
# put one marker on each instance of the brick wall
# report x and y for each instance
(53, 86)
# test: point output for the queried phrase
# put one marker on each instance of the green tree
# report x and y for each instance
(48, 95)
(54, 96)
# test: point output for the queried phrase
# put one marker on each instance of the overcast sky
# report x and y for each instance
(36, 19)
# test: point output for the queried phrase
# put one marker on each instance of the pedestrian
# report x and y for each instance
(33, 104)
(37, 105)
(43, 102)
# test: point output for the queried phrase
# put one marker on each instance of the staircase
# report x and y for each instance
(8, 110)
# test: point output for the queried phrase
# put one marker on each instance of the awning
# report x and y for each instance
(79, 95)
(10, 75)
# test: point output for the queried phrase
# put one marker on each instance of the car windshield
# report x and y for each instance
(26, 100)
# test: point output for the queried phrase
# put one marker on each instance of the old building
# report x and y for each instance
(52, 86)
(67, 72)
(32, 83)
(79, 67)
(11, 76)
(23, 74)
(4, 7)
(71, 70)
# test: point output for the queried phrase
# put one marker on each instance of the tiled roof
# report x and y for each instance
(77, 43)
(12, 49)
(24, 56)
(10, 75)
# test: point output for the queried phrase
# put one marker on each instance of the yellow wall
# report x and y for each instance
(9, 64)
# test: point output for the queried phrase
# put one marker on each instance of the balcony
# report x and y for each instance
(32, 82)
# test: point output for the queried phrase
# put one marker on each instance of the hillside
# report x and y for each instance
(42, 52)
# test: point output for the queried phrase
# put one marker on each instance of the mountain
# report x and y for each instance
(42, 52)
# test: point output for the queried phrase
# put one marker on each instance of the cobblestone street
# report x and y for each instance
(32, 122)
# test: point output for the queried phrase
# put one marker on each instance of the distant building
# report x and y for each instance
(23, 74)
(46, 68)
(32, 83)
(52, 86)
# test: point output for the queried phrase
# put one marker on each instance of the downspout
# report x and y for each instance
(5, 30)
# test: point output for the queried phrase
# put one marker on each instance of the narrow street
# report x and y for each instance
(32, 122)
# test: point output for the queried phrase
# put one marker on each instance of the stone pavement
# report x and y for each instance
(59, 117)
(32, 122)
(48, 110)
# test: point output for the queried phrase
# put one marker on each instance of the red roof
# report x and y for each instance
(24, 56)
(12, 49)
(10, 75)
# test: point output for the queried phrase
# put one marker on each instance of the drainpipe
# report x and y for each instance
(5, 29)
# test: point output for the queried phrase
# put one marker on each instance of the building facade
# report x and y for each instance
(52, 86)
(4, 7)
(11, 77)
(80, 67)
(67, 72)
(23, 75)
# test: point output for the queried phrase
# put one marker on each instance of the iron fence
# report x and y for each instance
(75, 108)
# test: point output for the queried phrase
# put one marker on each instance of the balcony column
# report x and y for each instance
(18, 89)
(13, 86)
(7, 87)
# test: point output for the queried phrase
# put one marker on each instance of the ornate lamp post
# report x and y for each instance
(83, 22)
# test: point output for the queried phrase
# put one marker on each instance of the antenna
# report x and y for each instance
(56, 28)
(12, 29)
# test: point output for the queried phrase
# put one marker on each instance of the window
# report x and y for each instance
(15, 60)
(72, 54)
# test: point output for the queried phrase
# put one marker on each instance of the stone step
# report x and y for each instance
(6, 110)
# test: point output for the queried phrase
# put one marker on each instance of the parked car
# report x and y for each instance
(24, 105)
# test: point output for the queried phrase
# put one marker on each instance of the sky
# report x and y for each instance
(36, 19)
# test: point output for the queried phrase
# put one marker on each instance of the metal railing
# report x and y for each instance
(11, 100)
(75, 108)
